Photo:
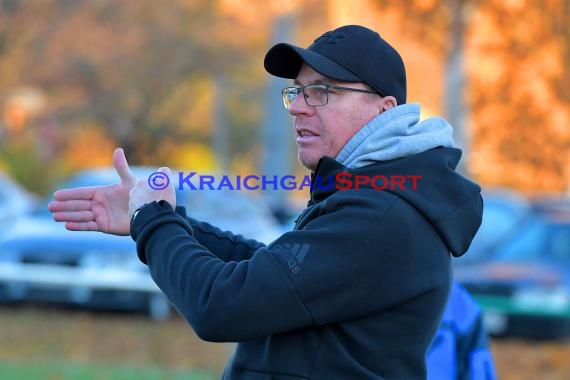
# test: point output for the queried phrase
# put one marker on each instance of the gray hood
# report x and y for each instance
(395, 133)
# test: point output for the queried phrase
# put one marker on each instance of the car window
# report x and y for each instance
(500, 218)
(223, 204)
(538, 241)
(559, 243)
(526, 244)
(497, 220)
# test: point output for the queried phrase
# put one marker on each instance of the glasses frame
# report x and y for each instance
(287, 91)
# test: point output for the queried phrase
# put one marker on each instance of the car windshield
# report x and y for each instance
(497, 220)
(538, 241)
(501, 215)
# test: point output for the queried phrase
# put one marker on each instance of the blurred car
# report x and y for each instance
(524, 288)
(503, 211)
(41, 261)
(551, 204)
(15, 200)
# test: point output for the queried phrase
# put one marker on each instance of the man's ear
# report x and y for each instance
(388, 102)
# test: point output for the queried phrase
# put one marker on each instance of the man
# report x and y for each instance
(357, 289)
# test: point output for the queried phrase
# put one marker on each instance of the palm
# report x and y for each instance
(111, 209)
(99, 208)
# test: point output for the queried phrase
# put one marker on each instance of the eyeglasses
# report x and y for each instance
(315, 94)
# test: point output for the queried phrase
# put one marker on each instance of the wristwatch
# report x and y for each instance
(136, 213)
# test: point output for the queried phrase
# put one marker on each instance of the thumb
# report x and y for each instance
(169, 192)
(165, 170)
(122, 167)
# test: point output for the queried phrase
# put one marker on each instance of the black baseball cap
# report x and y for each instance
(351, 53)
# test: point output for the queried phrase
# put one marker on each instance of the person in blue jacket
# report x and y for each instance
(357, 289)
(460, 349)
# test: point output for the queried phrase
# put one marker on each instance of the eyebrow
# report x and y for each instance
(316, 81)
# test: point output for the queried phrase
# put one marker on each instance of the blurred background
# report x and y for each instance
(181, 83)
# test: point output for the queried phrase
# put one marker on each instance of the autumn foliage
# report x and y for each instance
(162, 79)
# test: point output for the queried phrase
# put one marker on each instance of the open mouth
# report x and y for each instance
(305, 133)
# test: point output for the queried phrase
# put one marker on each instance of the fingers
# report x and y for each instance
(71, 210)
(85, 193)
(73, 216)
(122, 168)
(69, 205)
(78, 226)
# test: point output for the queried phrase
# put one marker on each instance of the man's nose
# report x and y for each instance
(299, 106)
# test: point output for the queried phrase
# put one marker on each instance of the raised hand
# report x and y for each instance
(97, 208)
(142, 193)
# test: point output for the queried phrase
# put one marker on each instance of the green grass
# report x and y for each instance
(74, 371)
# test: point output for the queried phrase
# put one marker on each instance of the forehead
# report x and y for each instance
(307, 76)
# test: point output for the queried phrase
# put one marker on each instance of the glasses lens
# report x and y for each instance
(316, 94)
(289, 95)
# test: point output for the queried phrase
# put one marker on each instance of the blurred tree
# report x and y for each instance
(521, 95)
(519, 83)
(150, 76)
(278, 141)
(442, 26)
(145, 73)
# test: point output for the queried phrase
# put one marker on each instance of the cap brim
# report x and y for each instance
(285, 61)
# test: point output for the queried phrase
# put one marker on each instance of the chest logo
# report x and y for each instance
(293, 254)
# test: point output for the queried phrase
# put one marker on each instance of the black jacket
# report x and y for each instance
(355, 291)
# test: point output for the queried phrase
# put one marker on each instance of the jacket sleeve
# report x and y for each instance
(222, 301)
(347, 262)
(225, 245)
